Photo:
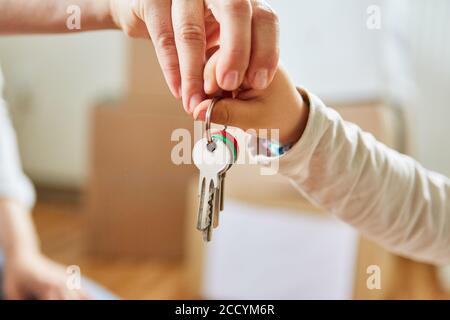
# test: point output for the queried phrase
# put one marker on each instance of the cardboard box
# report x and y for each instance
(136, 195)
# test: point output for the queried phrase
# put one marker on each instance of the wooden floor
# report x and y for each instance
(60, 227)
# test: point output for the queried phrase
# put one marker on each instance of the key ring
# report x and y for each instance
(211, 145)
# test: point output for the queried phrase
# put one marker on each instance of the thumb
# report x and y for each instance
(232, 112)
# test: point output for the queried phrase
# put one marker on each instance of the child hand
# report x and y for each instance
(280, 106)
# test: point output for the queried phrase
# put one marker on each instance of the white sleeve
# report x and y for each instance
(387, 196)
(13, 183)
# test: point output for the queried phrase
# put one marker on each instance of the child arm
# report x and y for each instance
(387, 196)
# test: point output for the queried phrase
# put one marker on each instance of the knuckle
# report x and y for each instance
(166, 41)
(190, 32)
(193, 78)
(271, 59)
(237, 7)
(131, 32)
(238, 54)
(263, 13)
(171, 67)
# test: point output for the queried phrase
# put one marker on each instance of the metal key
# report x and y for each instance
(212, 164)
(222, 190)
(219, 199)
(231, 142)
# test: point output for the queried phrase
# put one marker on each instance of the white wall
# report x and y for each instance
(51, 82)
(327, 47)
(417, 49)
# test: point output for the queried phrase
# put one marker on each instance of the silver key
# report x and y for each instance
(209, 214)
(220, 192)
(220, 197)
(212, 164)
(218, 201)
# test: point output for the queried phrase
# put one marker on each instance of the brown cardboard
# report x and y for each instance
(136, 195)
(145, 78)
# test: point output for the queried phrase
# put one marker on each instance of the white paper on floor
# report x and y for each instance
(271, 253)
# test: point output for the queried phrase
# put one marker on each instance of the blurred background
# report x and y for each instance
(94, 121)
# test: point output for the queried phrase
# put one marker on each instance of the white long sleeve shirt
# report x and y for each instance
(387, 196)
(13, 183)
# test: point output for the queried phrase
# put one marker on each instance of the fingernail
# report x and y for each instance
(231, 80)
(185, 104)
(207, 86)
(261, 79)
(176, 91)
(200, 115)
(195, 101)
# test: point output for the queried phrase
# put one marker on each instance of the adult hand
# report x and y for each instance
(32, 276)
(183, 30)
(27, 274)
(258, 109)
